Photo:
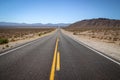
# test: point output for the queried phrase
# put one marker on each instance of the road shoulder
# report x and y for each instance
(108, 49)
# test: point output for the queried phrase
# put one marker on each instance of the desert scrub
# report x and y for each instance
(40, 34)
(7, 46)
(13, 39)
(3, 41)
(74, 33)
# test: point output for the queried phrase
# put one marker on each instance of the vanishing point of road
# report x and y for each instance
(56, 57)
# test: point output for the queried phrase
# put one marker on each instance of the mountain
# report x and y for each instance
(11, 25)
(98, 22)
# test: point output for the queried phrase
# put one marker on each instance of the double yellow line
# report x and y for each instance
(56, 61)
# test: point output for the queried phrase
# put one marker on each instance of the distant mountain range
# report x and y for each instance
(10, 25)
(98, 22)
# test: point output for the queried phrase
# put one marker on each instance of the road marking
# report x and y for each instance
(58, 39)
(100, 53)
(15, 49)
(52, 73)
(30, 42)
(94, 50)
(58, 61)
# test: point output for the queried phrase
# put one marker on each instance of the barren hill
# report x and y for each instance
(99, 22)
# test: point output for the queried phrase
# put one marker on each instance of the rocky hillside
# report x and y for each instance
(99, 22)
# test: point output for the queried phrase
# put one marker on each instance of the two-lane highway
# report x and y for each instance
(75, 61)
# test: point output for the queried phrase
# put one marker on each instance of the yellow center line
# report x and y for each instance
(52, 74)
(58, 39)
(58, 61)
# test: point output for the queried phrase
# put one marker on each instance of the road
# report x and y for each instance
(56, 57)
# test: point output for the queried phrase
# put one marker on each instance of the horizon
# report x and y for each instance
(57, 23)
(57, 11)
(33, 23)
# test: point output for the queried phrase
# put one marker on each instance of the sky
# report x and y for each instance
(57, 11)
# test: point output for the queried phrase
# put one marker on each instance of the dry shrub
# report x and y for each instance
(3, 41)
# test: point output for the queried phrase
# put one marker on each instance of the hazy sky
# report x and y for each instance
(57, 11)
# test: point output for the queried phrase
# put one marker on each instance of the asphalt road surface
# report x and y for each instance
(37, 60)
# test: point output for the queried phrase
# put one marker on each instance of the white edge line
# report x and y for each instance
(94, 50)
(17, 48)
(22, 45)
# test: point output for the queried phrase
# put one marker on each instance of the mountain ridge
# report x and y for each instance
(12, 24)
